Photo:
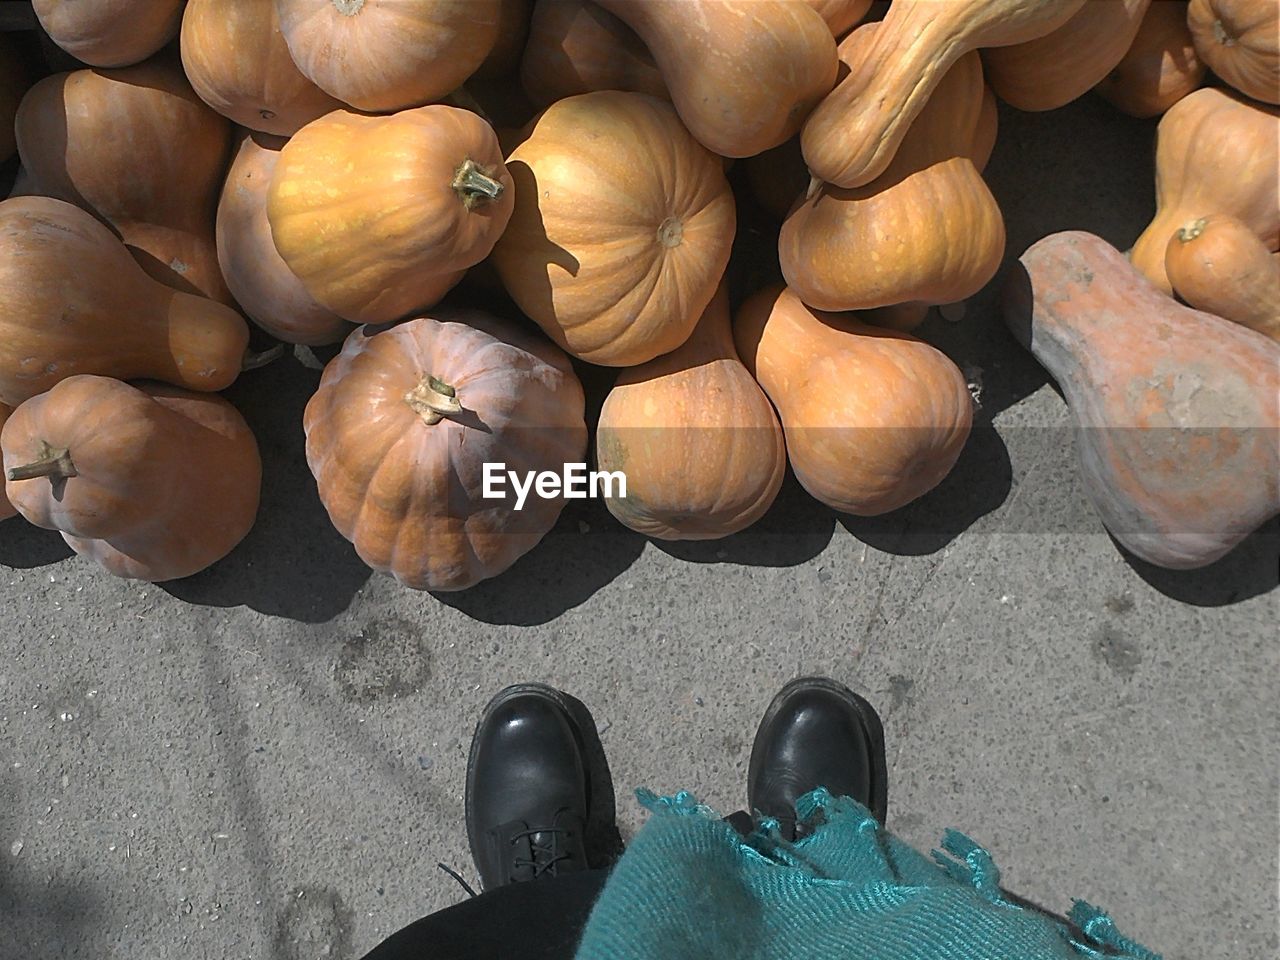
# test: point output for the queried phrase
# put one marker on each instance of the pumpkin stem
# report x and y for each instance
(433, 400)
(252, 361)
(474, 185)
(348, 8)
(1190, 231)
(1220, 34)
(55, 464)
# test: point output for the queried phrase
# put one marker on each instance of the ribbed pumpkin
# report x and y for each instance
(622, 227)
(384, 55)
(139, 149)
(7, 509)
(1240, 41)
(76, 302)
(873, 418)
(152, 482)
(1161, 66)
(695, 436)
(237, 61)
(379, 216)
(262, 283)
(400, 429)
(1215, 153)
(1218, 265)
(110, 33)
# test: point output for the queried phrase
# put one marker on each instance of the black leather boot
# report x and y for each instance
(528, 788)
(816, 733)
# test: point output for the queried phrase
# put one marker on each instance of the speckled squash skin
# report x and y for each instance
(1161, 66)
(1176, 412)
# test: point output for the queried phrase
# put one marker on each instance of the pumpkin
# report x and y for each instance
(1175, 410)
(1240, 41)
(110, 33)
(150, 481)
(385, 55)
(622, 227)
(1218, 265)
(379, 216)
(576, 46)
(137, 148)
(268, 292)
(928, 230)
(503, 60)
(851, 137)
(841, 15)
(1215, 153)
(76, 302)
(400, 430)
(783, 62)
(7, 509)
(697, 440)
(874, 418)
(1051, 71)
(237, 62)
(14, 81)
(1161, 66)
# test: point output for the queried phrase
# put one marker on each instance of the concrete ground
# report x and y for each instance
(266, 761)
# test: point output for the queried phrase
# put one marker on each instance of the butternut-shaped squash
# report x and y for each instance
(379, 216)
(262, 283)
(873, 418)
(1051, 71)
(385, 55)
(238, 63)
(152, 482)
(695, 436)
(1175, 410)
(76, 302)
(841, 15)
(1161, 66)
(1218, 265)
(1215, 153)
(7, 509)
(622, 227)
(1240, 42)
(743, 77)
(403, 424)
(852, 136)
(15, 78)
(576, 46)
(110, 33)
(137, 148)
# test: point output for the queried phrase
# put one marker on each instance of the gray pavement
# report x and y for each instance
(266, 761)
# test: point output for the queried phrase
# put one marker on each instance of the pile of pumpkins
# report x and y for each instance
(332, 169)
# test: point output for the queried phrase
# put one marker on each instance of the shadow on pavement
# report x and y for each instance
(24, 546)
(1251, 569)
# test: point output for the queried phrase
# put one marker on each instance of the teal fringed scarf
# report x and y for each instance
(690, 887)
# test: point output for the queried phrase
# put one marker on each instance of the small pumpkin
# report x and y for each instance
(400, 430)
(137, 148)
(1175, 410)
(7, 509)
(841, 15)
(874, 418)
(379, 216)
(110, 33)
(1218, 265)
(76, 302)
(1240, 42)
(1203, 137)
(1051, 71)
(695, 436)
(1161, 66)
(576, 46)
(237, 62)
(854, 133)
(386, 55)
(622, 227)
(150, 481)
(268, 292)
(783, 62)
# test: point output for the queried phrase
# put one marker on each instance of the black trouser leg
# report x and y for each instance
(537, 920)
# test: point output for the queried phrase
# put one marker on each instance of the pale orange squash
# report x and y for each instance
(1218, 265)
(696, 438)
(1240, 42)
(841, 15)
(110, 33)
(873, 418)
(1161, 66)
(622, 227)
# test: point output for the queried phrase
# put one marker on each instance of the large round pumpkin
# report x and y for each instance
(622, 227)
(400, 430)
(110, 33)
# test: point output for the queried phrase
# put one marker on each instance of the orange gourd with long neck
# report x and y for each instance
(1218, 265)
(1161, 66)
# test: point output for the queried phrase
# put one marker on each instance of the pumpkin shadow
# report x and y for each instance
(24, 545)
(1251, 569)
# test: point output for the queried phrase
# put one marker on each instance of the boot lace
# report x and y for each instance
(544, 857)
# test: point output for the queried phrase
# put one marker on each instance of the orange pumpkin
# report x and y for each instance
(513, 32)
(622, 227)
(379, 216)
(841, 15)
(874, 418)
(697, 440)
(137, 148)
(385, 55)
(152, 482)
(1218, 265)
(110, 33)
(1161, 66)
(1240, 42)
(400, 430)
